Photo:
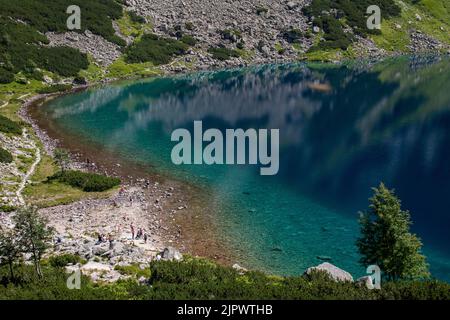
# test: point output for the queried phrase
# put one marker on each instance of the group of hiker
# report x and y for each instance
(140, 234)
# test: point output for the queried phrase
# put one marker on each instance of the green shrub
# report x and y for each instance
(5, 156)
(223, 54)
(133, 270)
(200, 279)
(22, 44)
(63, 260)
(50, 15)
(157, 50)
(7, 208)
(9, 126)
(136, 18)
(354, 15)
(88, 182)
(6, 76)
(335, 37)
(189, 40)
(292, 35)
(55, 88)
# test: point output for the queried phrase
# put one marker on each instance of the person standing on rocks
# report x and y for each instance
(111, 241)
(132, 231)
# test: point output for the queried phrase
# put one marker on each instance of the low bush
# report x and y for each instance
(7, 208)
(292, 35)
(223, 54)
(88, 182)
(6, 76)
(335, 37)
(155, 49)
(9, 126)
(189, 40)
(55, 88)
(353, 13)
(136, 18)
(201, 279)
(63, 260)
(5, 156)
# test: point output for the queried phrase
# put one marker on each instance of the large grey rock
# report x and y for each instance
(118, 248)
(100, 249)
(92, 266)
(171, 253)
(335, 273)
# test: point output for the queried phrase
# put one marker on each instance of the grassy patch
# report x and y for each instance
(49, 194)
(130, 26)
(55, 88)
(434, 14)
(121, 69)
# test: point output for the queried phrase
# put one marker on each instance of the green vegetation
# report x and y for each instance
(134, 270)
(88, 182)
(331, 15)
(55, 88)
(30, 235)
(200, 279)
(22, 47)
(62, 158)
(21, 52)
(434, 20)
(221, 53)
(64, 260)
(386, 240)
(292, 35)
(6, 208)
(154, 49)
(47, 193)
(50, 15)
(136, 18)
(189, 40)
(5, 156)
(8, 126)
(133, 25)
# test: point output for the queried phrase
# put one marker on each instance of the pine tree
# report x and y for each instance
(386, 239)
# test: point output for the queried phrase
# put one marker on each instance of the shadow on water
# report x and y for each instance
(343, 130)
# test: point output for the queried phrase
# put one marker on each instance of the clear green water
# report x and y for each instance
(387, 122)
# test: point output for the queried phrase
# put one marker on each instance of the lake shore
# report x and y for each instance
(174, 212)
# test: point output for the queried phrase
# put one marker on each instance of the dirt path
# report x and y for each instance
(30, 172)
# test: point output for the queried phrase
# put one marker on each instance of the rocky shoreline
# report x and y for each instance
(161, 207)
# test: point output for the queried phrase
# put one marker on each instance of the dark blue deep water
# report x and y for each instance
(362, 125)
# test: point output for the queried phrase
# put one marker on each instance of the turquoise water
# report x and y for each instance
(385, 122)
